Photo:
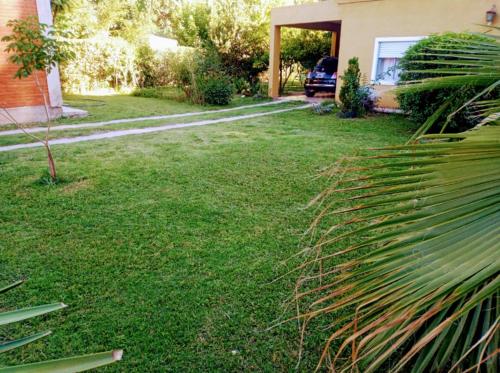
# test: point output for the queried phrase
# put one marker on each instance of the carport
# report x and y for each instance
(321, 16)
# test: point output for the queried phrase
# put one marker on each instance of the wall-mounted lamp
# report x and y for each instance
(490, 15)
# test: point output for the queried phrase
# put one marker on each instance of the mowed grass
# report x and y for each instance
(204, 115)
(119, 106)
(167, 244)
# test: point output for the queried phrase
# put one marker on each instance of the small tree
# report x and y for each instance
(34, 48)
(350, 94)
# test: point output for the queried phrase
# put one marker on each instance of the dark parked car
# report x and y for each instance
(323, 78)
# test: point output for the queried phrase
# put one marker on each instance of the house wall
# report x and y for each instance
(22, 97)
(365, 20)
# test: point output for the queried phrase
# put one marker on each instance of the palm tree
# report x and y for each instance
(406, 266)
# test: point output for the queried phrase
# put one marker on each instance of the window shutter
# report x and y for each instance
(393, 49)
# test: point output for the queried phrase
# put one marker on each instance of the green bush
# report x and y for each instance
(100, 62)
(217, 91)
(351, 95)
(421, 105)
(201, 78)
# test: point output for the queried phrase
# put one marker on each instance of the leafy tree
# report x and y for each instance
(236, 30)
(190, 24)
(350, 93)
(58, 6)
(34, 48)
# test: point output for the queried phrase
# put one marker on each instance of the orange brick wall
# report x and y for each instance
(17, 92)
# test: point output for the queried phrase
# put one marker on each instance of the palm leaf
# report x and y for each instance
(414, 260)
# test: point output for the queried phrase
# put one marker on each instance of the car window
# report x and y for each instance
(328, 65)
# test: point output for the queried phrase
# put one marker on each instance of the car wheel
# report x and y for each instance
(310, 93)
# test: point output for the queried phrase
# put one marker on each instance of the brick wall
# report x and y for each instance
(17, 92)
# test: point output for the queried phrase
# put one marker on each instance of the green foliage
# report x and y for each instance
(217, 90)
(305, 47)
(58, 6)
(33, 46)
(429, 54)
(237, 31)
(351, 96)
(103, 63)
(73, 364)
(190, 24)
(200, 76)
(155, 69)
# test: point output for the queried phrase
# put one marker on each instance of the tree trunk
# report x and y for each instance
(50, 159)
(52, 165)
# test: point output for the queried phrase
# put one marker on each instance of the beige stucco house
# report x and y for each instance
(378, 32)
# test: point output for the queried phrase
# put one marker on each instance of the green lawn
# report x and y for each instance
(166, 244)
(206, 115)
(102, 108)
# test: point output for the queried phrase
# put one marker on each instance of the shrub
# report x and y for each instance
(200, 76)
(103, 62)
(242, 86)
(351, 96)
(155, 69)
(421, 105)
(368, 97)
(217, 91)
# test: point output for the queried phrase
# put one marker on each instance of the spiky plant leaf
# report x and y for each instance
(11, 286)
(413, 263)
(28, 313)
(72, 364)
(7, 346)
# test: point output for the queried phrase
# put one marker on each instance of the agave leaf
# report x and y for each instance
(27, 313)
(11, 286)
(72, 364)
(22, 341)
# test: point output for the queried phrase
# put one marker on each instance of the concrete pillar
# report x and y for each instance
(53, 79)
(333, 49)
(274, 61)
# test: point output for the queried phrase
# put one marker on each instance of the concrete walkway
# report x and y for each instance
(131, 120)
(140, 131)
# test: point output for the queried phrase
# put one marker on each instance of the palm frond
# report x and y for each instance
(414, 260)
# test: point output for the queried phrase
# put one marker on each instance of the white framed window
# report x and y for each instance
(387, 53)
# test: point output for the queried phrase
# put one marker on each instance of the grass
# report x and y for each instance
(206, 115)
(103, 108)
(167, 244)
